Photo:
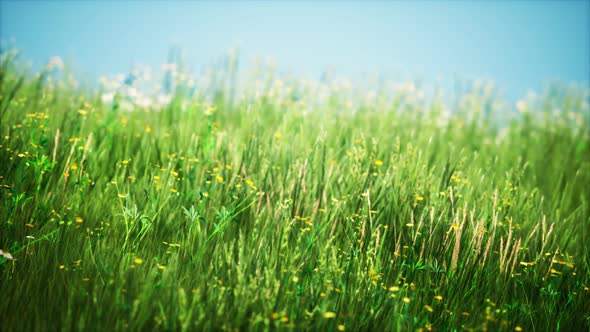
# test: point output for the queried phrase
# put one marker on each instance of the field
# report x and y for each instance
(290, 205)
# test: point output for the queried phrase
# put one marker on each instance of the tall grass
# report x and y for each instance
(297, 206)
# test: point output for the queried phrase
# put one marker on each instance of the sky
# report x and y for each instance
(520, 45)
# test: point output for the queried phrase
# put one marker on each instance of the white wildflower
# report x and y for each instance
(164, 99)
(108, 97)
(55, 62)
(6, 254)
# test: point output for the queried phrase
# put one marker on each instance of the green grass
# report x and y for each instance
(272, 212)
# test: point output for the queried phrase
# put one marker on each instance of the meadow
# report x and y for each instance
(285, 204)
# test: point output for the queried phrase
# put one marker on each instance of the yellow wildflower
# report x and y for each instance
(329, 314)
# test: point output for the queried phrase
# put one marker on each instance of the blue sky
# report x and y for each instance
(518, 44)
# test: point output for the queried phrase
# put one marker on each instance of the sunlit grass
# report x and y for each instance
(292, 205)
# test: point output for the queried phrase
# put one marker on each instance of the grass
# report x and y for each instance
(294, 207)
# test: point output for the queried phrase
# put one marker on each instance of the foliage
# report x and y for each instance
(293, 207)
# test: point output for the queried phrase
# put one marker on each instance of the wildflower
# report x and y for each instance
(275, 315)
(329, 314)
(419, 198)
(428, 308)
(518, 328)
(107, 97)
(122, 196)
(148, 129)
(438, 297)
(6, 254)
(527, 263)
(521, 106)
(406, 299)
(295, 279)
(30, 237)
(138, 260)
(278, 135)
(78, 219)
(55, 62)
(378, 162)
(219, 178)
(164, 99)
(341, 327)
